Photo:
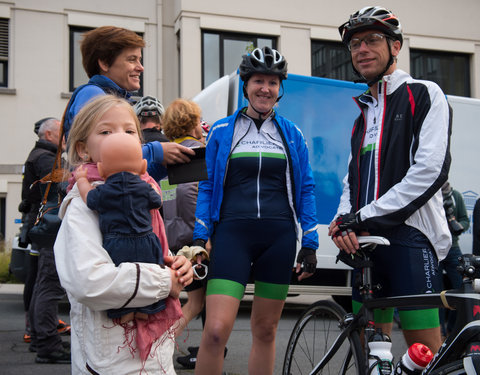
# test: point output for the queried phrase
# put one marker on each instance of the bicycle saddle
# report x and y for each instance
(360, 258)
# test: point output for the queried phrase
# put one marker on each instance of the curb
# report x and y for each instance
(11, 288)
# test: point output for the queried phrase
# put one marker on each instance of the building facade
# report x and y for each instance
(190, 43)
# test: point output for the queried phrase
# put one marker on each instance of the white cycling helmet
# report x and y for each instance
(149, 106)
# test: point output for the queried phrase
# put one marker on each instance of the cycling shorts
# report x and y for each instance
(404, 270)
(262, 250)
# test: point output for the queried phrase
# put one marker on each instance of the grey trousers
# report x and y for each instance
(43, 311)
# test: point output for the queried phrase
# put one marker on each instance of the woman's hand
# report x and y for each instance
(182, 267)
(174, 153)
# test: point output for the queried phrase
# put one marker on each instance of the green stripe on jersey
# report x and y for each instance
(257, 155)
(369, 147)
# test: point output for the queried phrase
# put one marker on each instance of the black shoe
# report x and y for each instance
(189, 361)
(33, 347)
(59, 356)
(193, 349)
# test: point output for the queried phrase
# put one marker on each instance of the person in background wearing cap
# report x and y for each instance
(399, 161)
(42, 289)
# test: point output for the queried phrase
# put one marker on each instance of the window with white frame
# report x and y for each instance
(222, 52)
(77, 73)
(4, 52)
(331, 60)
(450, 70)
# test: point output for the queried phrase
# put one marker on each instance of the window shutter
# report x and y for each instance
(3, 39)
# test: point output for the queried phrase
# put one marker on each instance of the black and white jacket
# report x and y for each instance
(411, 160)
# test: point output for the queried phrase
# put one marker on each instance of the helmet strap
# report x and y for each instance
(283, 91)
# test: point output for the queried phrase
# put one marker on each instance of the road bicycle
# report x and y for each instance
(327, 340)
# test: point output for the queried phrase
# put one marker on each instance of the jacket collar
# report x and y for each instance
(46, 145)
(109, 86)
(391, 82)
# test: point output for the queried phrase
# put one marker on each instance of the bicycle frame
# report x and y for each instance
(467, 327)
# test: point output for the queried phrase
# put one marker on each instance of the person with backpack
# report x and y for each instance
(42, 287)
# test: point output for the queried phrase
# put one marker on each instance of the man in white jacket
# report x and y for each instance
(399, 160)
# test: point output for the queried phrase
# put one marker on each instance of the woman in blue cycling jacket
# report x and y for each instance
(259, 187)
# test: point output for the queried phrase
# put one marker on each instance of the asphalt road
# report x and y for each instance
(15, 358)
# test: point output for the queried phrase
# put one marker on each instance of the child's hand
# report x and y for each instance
(177, 286)
(182, 267)
(80, 172)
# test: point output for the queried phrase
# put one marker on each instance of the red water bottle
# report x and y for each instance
(414, 360)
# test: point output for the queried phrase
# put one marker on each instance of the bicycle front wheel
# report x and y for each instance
(313, 335)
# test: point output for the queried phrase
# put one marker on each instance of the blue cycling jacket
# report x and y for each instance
(210, 192)
(101, 85)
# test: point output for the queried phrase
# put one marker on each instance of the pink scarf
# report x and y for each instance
(151, 330)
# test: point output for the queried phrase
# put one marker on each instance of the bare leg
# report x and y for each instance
(221, 313)
(193, 306)
(266, 314)
(386, 328)
(431, 337)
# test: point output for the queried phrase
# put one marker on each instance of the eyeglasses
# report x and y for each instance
(371, 40)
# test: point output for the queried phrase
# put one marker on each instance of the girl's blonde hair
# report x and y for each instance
(180, 118)
(87, 118)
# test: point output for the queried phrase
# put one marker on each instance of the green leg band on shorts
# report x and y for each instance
(379, 315)
(225, 287)
(271, 291)
(356, 306)
(410, 319)
(383, 315)
(419, 319)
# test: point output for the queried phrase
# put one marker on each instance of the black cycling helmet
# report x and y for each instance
(372, 18)
(263, 61)
(149, 106)
(376, 18)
